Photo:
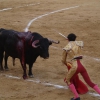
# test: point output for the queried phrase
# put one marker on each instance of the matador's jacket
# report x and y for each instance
(72, 58)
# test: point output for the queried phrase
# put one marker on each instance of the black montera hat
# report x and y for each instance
(71, 37)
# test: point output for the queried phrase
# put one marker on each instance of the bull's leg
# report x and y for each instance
(6, 59)
(1, 60)
(30, 71)
(13, 60)
(21, 50)
(24, 69)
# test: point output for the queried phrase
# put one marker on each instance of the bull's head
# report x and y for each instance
(43, 46)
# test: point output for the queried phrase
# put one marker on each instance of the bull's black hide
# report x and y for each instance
(26, 46)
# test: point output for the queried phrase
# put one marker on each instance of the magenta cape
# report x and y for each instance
(79, 85)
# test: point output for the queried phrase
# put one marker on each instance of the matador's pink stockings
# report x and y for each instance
(72, 88)
(96, 88)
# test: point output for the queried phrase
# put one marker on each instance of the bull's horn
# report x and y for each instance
(34, 44)
(56, 42)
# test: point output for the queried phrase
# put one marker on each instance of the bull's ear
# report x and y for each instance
(50, 43)
(1, 29)
(34, 44)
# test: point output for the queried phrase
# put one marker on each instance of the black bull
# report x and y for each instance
(26, 46)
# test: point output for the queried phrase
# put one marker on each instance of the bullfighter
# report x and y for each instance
(72, 58)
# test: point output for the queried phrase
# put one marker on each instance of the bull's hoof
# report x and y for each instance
(31, 76)
(25, 77)
(6, 69)
(1, 69)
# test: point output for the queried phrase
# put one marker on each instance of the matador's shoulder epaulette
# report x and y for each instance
(67, 47)
(79, 43)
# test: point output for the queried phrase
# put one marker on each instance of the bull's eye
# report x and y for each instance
(41, 47)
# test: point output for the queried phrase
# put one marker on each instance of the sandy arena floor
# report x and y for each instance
(81, 17)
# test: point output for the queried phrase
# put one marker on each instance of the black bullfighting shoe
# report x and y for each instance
(76, 98)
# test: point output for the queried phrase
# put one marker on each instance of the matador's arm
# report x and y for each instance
(64, 56)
